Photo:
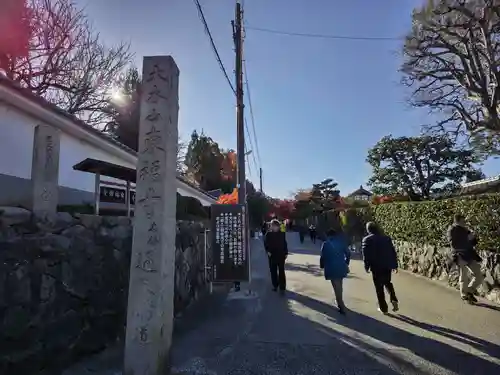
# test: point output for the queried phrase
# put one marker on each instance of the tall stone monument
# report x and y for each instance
(152, 270)
(45, 169)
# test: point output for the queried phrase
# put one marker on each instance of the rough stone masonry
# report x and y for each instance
(64, 283)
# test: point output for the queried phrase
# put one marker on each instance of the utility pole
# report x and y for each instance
(240, 125)
(260, 179)
(240, 122)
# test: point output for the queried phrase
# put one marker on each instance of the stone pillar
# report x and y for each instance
(45, 169)
(152, 269)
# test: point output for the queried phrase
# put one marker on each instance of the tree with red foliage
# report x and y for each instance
(229, 198)
(15, 32)
(282, 208)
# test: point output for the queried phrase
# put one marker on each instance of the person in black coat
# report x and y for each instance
(277, 252)
(463, 254)
(263, 228)
(380, 258)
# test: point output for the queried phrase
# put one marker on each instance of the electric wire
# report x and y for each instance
(321, 36)
(212, 43)
(252, 117)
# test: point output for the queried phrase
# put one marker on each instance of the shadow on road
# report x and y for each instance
(311, 269)
(448, 357)
(284, 342)
(491, 307)
(304, 251)
(479, 344)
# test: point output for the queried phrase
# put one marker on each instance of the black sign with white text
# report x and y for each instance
(230, 255)
(115, 195)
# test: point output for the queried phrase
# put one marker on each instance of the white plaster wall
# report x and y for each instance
(74, 151)
(16, 153)
(16, 142)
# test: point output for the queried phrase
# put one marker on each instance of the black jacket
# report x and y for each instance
(461, 246)
(379, 253)
(275, 243)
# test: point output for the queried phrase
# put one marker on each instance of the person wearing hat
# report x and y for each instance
(277, 252)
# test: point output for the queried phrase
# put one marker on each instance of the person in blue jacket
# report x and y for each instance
(335, 258)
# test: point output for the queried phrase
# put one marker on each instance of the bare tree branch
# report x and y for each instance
(452, 64)
(67, 63)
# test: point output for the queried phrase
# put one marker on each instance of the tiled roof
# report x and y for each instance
(361, 191)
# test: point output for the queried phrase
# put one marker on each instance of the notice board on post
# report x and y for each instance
(230, 253)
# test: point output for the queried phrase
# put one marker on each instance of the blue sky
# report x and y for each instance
(319, 104)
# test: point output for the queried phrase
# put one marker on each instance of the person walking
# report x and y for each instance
(381, 259)
(463, 254)
(302, 233)
(335, 258)
(277, 252)
(283, 226)
(264, 228)
(312, 233)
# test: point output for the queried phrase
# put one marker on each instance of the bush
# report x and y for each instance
(427, 222)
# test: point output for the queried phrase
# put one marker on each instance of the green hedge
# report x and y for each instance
(427, 222)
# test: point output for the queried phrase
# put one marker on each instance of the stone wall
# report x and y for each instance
(431, 261)
(64, 285)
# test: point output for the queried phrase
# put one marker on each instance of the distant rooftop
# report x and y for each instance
(480, 186)
(361, 191)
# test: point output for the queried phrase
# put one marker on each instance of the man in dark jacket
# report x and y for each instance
(264, 228)
(381, 259)
(462, 242)
(277, 252)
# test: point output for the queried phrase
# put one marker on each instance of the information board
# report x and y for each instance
(230, 253)
(115, 195)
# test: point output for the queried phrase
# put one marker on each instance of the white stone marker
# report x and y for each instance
(45, 169)
(152, 269)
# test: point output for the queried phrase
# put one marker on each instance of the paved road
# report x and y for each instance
(262, 333)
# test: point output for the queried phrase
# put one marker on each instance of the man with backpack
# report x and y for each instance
(463, 254)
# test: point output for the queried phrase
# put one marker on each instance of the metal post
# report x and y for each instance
(207, 267)
(97, 194)
(127, 197)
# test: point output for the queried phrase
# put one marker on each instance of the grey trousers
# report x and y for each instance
(338, 289)
(467, 283)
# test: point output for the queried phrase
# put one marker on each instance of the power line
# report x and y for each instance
(212, 43)
(323, 36)
(256, 149)
(251, 145)
(252, 118)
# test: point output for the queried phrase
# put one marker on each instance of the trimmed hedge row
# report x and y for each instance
(427, 222)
